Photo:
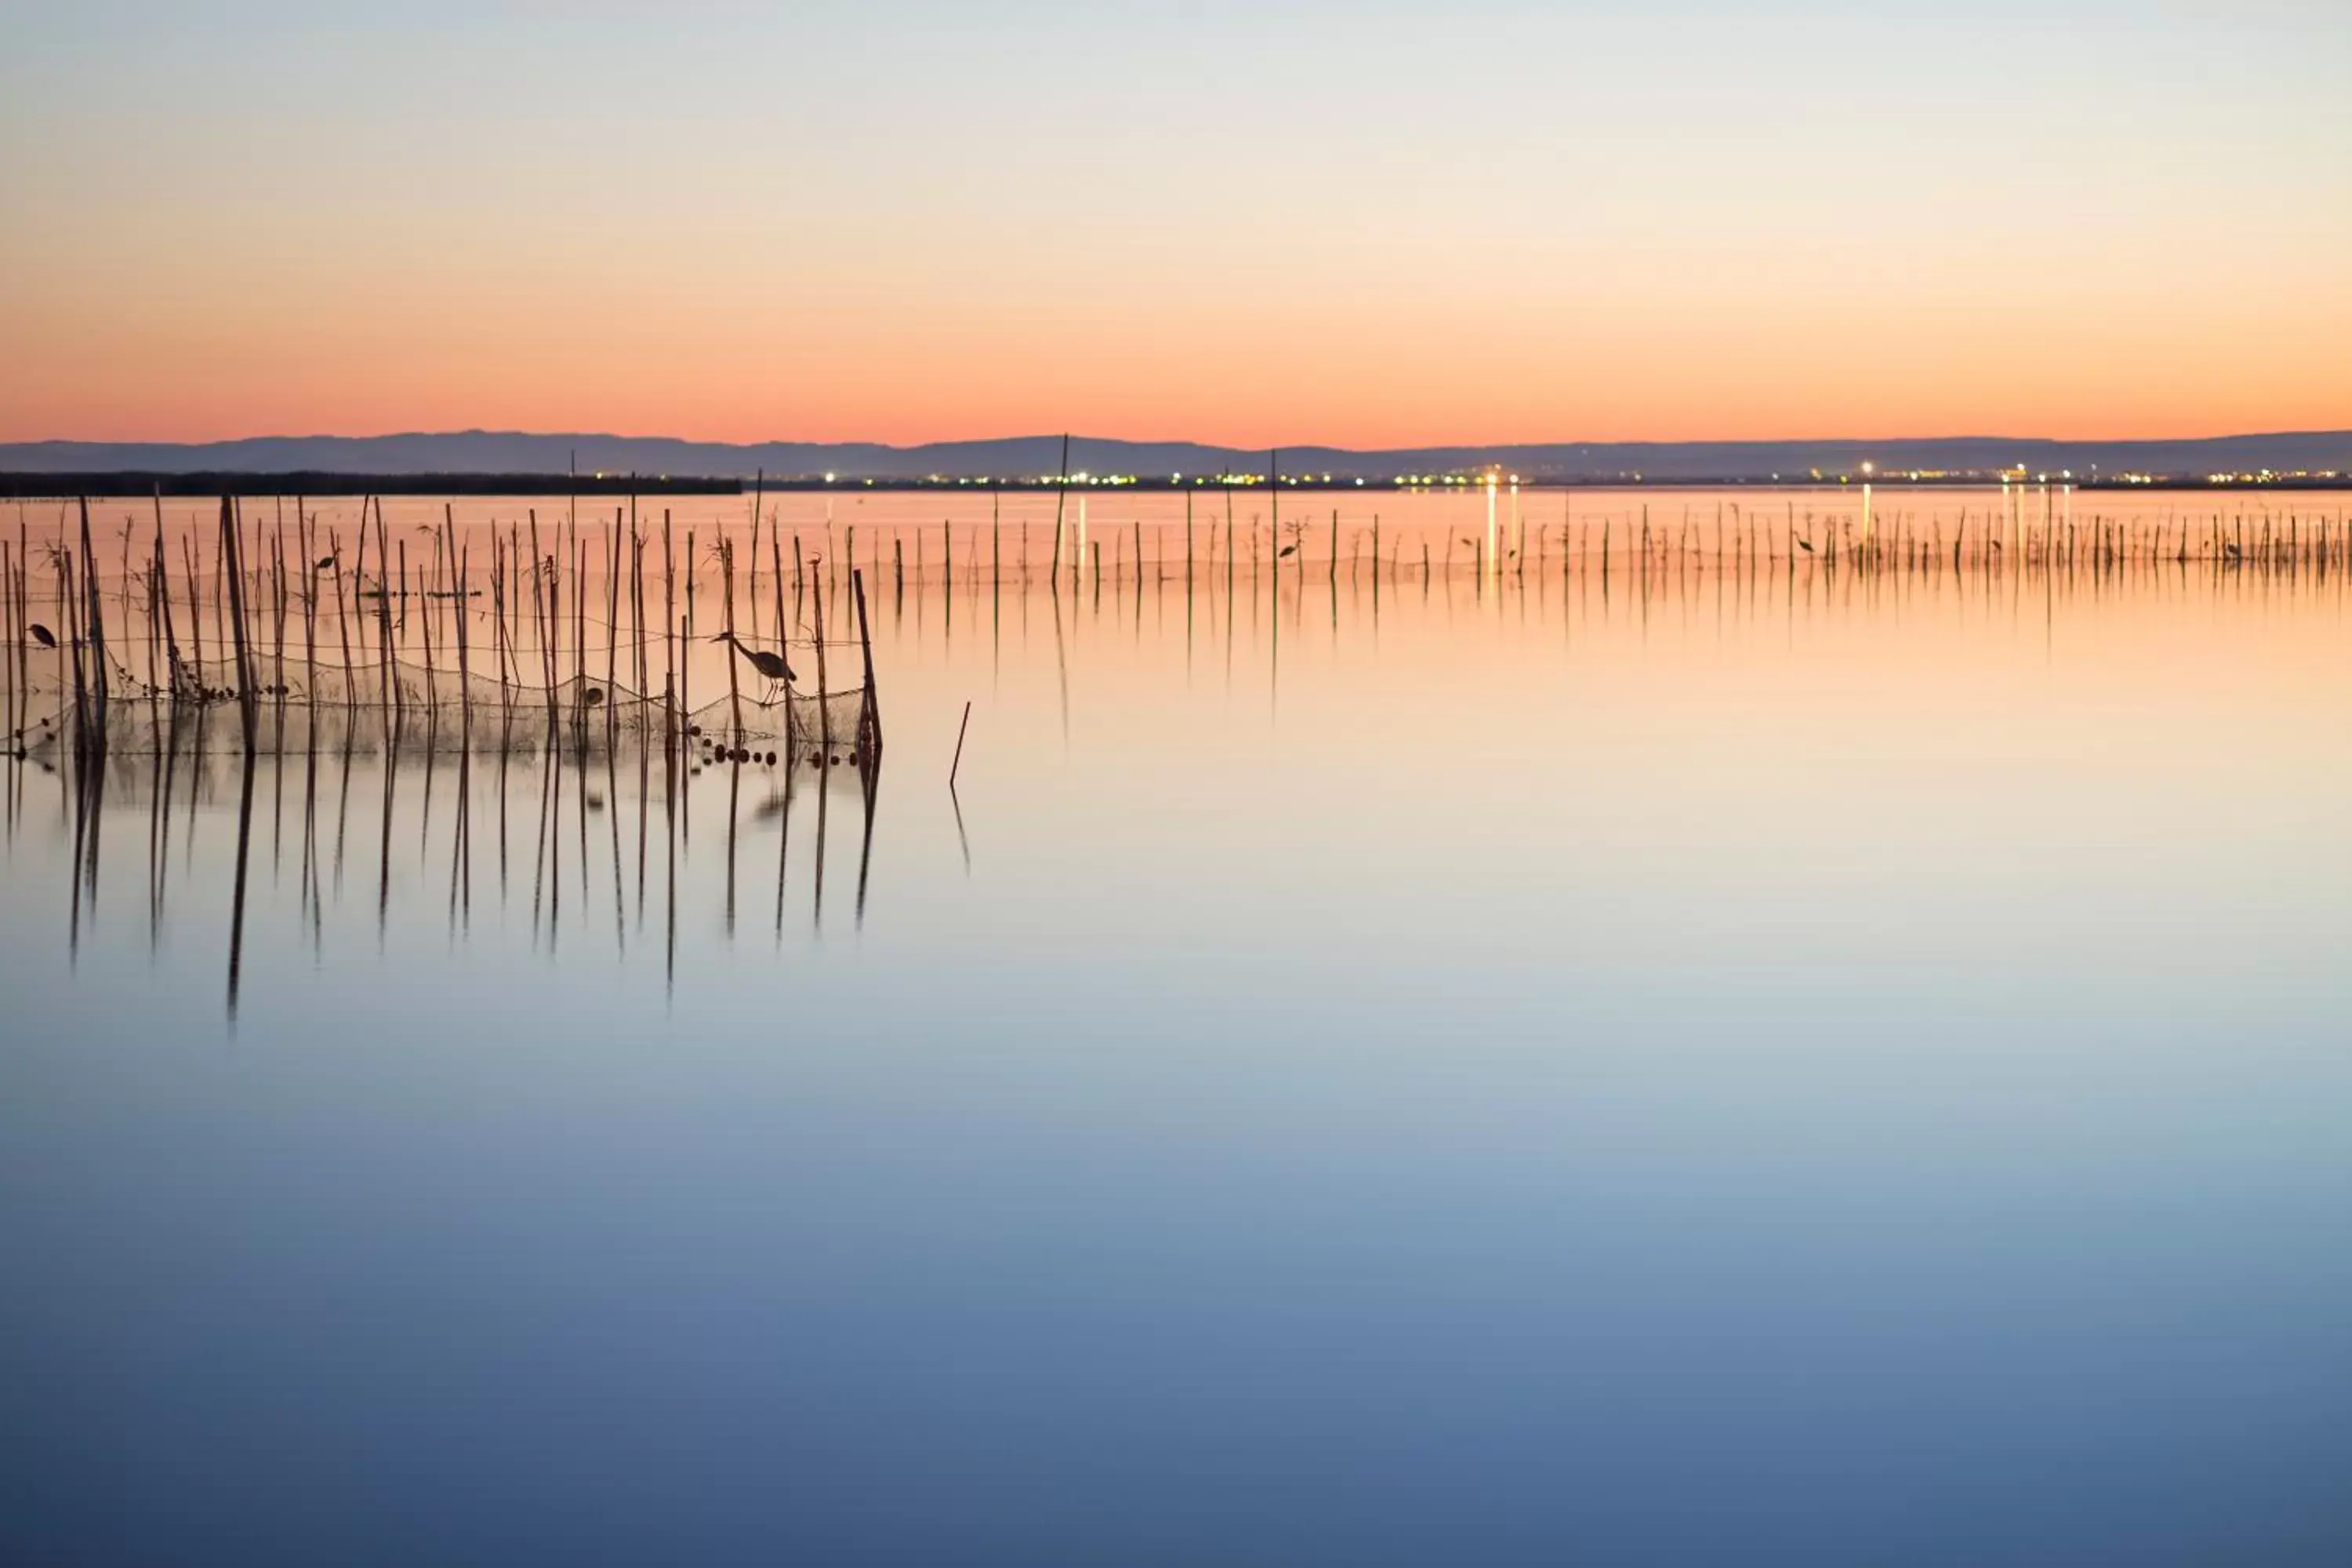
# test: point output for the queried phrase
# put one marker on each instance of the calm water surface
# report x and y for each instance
(1522, 1067)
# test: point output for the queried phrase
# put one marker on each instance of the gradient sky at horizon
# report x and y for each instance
(1296, 222)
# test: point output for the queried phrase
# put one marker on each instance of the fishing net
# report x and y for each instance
(367, 707)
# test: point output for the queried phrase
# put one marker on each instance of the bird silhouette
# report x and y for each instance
(42, 635)
(1287, 551)
(326, 562)
(1806, 545)
(769, 664)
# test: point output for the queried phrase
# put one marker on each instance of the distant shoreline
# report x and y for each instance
(510, 462)
(120, 483)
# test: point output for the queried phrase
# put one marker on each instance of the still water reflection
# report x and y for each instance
(1774, 1067)
(590, 836)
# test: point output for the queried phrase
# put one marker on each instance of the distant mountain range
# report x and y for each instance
(495, 452)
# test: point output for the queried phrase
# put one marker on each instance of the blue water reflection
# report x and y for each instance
(1818, 1099)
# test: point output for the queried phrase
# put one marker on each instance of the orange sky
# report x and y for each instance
(1887, 221)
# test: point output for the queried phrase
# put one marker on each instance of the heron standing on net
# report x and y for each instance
(770, 666)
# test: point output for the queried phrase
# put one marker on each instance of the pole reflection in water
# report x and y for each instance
(185, 824)
(237, 902)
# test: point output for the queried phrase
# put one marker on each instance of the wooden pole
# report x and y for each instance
(96, 630)
(824, 694)
(1061, 492)
(669, 647)
(232, 564)
(734, 686)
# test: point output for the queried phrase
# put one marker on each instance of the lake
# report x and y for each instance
(1708, 1051)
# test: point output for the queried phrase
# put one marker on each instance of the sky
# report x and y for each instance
(1288, 222)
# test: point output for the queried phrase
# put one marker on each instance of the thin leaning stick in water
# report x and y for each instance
(9, 631)
(637, 620)
(580, 636)
(392, 695)
(612, 633)
(669, 648)
(232, 566)
(734, 690)
(278, 635)
(784, 633)
(465, 638)
(309, 622)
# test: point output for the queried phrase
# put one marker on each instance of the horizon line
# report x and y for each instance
(450, 432)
